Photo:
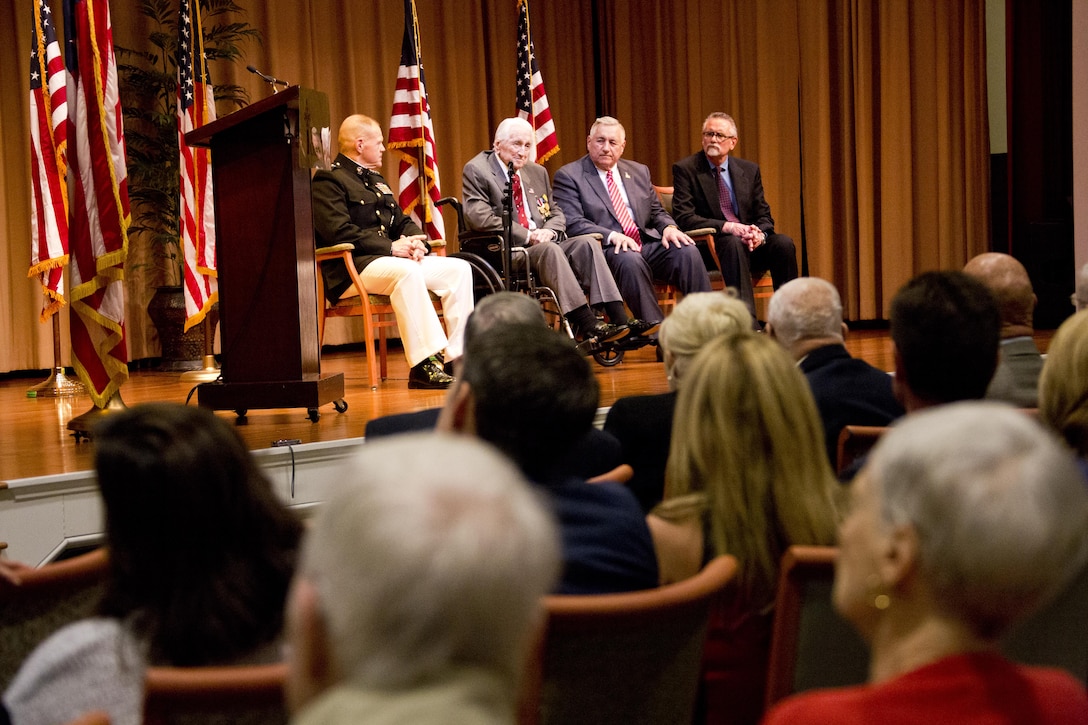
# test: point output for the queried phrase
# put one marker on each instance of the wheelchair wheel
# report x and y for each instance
(609, 356)
(485, 279)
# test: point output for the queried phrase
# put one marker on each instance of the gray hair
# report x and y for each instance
(696, 320)
(722, 116)
(433, 552)
(1081, 294)
(508, 125)
(607, 121)
(999, 507)
(805, 308)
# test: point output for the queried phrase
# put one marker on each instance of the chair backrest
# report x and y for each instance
(664, 194)
(92, 718)
(625, 658)
(242, 695)
(811, 645)
(856, 441)
(46, 599)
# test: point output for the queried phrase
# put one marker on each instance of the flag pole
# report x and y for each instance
(58, 383)
(210, 372)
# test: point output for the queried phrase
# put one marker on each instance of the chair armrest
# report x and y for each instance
(701, 232)
(335, 249)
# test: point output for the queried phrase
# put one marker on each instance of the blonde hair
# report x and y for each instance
(747, 450)
(1063, 387)
(352, 127)
(697, 319)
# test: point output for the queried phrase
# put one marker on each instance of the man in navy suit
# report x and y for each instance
(713, 189)
(603, 194)
(805, 316)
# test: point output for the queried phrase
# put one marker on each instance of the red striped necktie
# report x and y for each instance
(622, 213)
(519, 202)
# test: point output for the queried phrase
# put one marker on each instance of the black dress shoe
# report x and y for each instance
(429, 375)
(642, 328)
(604, 332)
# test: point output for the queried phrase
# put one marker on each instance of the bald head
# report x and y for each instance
(353, 128)
(804, 314)
(1010, 285)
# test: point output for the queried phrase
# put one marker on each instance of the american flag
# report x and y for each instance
(98, 196)
(532, 99)
(48, 166)
(411, 134)
(196, 107)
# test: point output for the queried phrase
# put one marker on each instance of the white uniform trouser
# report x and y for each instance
(407, 282)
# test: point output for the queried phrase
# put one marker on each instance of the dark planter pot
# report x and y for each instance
(180, 351)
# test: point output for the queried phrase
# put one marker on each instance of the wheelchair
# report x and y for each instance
(486, 253)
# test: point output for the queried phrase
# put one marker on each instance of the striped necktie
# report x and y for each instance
(724, 197)
(622, 213)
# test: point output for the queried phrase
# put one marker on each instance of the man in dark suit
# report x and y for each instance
(712, 189)
(805, 316)
(535, 417)
(353, 204)
(1016, 379)
(569, 265)
(603, 194)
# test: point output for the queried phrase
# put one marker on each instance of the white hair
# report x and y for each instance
(803, 309)
(433, 552)
(696, 320)
(998, 504)
(607, 121)
(506, 128)
(1081, 294)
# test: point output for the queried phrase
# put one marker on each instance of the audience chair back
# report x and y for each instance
(812, 647)
(624, 658)
(47, 598)
(855, 441)
(376, 311)
(242, 695)
(92, 718)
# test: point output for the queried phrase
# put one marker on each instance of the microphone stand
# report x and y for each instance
(507, 224)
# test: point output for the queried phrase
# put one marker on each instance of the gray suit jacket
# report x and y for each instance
(483, 184)
(1016, 379)
(583, 197)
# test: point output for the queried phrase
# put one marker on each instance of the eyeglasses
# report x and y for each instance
(716, 136)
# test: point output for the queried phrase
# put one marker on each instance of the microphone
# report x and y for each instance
(271, 80)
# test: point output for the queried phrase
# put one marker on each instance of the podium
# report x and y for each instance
(261, 160)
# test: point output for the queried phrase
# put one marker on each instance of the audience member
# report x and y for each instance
(526, 390)
(603, 194)
(1063, 385)
(570, 266)
(200, 551)
(746, 476)
(418, 593)
(945, 328)
(643, 423)
(1080, 295)
(1016, 379)
(353, 204)
(805, 317)
(596, 452)
(712, 189)
(965, 519)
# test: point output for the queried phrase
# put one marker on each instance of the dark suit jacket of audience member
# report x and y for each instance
(848, 391)
(643, 425)
(595, 453)
(606, 543)
(1016, 379)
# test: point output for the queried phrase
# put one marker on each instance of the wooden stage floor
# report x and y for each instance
(34, 440)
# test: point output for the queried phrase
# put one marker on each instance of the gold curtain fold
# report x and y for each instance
(868, 118)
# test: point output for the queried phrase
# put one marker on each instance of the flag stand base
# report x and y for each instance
(56, 385)
(82, 425)
(208, 374)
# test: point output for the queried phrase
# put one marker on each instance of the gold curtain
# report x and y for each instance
(868, 118)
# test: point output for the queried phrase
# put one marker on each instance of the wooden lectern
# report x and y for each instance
(261, 161)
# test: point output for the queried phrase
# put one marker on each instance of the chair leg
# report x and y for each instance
(383, 354)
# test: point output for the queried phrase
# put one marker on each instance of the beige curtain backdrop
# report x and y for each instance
(868, 118)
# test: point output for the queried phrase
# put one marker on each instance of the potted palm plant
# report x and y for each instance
(147, 80)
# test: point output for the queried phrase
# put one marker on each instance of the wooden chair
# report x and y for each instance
(376, 310)
(46, 599)
(811, 645)
(856, 441)
(624, 658)
(92, 718)
(242, 695)
(620, 474)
